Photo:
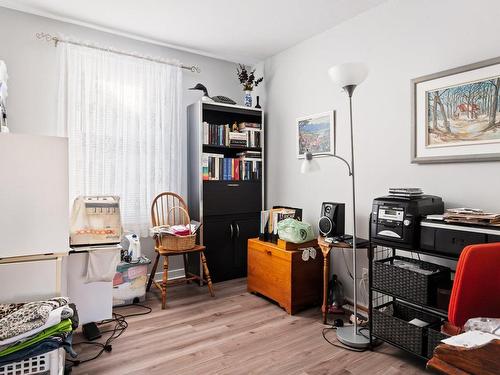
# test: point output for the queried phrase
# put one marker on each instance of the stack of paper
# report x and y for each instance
(471, 216)
(406, 192)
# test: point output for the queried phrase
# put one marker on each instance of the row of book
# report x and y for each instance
(216, 167)
(236, 135)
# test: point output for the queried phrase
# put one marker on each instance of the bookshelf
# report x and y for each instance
(225, 182)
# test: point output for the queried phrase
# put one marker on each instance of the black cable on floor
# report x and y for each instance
(332, 328)
(120, 326)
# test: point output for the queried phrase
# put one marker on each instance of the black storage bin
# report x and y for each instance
(434, 337)
(407, 284)
(393, 326)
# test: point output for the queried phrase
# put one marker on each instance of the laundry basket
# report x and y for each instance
(50, 363)
(178, 243)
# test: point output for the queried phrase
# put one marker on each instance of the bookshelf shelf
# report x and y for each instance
(231, 148)
(257, 182)
(228, 207)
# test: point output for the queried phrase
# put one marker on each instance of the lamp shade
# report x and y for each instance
(348, 74)
(309, 164)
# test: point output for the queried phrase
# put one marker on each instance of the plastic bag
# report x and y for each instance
(295, 231)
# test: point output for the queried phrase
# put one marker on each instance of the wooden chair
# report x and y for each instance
(167, 209)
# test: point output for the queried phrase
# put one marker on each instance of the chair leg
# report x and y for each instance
(207, 274)
(185, 259)
(164, 283)
(153, 272)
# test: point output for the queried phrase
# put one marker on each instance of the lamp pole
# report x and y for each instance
(350, 90)
(348, 76)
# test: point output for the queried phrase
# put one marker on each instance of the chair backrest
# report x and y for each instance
(163, 211)
(476, 289)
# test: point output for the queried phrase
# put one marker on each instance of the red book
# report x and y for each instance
(236, 169)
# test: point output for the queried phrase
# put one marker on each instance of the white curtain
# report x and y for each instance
(122, 116)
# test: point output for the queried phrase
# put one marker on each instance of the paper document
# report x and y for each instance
(470, 339)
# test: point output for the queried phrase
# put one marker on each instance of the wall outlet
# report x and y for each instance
(364, 274)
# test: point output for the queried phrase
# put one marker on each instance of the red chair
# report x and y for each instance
(476, 289)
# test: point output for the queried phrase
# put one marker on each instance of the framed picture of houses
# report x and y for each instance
(316, 134)
(456, 114)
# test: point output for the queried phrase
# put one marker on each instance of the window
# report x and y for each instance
(122, 117)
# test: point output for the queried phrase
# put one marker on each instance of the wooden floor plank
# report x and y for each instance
(232, 333)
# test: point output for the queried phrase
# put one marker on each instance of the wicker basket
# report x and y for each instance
(434, 338)
(393, 326)
(170, 243)
(407, 284)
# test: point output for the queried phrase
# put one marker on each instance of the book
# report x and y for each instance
(204, 166)
(219, 168)
(236, 169)
(248, 153)
(247, 125)
(264, 225)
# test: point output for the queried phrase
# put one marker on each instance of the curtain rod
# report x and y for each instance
(56, 40)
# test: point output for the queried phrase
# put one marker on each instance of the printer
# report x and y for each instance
(395, 221)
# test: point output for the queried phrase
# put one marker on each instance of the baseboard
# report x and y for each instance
(360, 307)
(172, 274)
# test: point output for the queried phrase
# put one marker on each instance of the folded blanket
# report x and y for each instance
(63, 327)
(18, 319)
(55, 317)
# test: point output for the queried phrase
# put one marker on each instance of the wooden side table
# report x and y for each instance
(326, 247)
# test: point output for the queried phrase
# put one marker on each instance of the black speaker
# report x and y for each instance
(332, 220)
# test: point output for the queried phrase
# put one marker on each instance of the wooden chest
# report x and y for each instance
(283, 276)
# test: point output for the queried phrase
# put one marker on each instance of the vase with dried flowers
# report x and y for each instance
(248, 81)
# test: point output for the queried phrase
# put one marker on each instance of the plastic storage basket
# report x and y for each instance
(407, 284)
(50, 363)
(129, 282)
(393, 325)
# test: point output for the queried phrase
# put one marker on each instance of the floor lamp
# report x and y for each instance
(348, 77)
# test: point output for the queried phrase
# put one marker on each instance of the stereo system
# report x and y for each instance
(395, 221)
(332, 220)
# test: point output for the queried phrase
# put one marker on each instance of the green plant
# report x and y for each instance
(247, 79)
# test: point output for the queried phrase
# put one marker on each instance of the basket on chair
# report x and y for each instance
(172, 243)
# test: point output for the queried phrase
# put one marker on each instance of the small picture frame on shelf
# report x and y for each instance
(316, 134)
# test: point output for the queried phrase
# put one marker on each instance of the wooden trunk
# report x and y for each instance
(283, 276)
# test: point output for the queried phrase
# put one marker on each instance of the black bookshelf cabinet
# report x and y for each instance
(228, 209)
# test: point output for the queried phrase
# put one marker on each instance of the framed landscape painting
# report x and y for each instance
(456, 114)
(316, 134)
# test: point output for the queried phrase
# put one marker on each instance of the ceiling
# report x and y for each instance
(234, 30)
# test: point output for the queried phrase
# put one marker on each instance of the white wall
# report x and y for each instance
(33, 72)
(399, 40)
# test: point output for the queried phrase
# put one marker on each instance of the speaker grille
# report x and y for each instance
(325, 225)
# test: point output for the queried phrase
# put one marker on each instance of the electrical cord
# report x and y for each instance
(332, 328)
(364, 289)
(121, 325)
(346, 266)
(361, 332)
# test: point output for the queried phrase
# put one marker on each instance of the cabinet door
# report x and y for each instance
(231, 197)
(245, 227)
(218, 235)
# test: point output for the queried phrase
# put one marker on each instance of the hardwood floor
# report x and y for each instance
(232, 333)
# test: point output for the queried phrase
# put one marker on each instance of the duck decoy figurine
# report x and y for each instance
(217, 99)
